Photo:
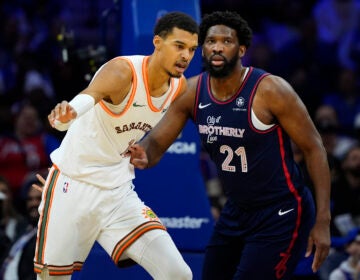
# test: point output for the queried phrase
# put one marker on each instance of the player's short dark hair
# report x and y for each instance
(169, 21)
(230, 19)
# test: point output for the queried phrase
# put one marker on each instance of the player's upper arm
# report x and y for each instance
(112, 81)
(285, 106)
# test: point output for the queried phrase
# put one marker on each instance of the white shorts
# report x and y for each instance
(73, 215)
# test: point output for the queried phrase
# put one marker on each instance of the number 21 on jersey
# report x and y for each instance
(239, 152)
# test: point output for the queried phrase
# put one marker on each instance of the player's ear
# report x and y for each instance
(242, 50)
(157, 41)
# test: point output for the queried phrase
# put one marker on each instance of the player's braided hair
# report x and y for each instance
(230, 19)
(166, 23)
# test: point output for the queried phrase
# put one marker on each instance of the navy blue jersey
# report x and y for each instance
(256, 167)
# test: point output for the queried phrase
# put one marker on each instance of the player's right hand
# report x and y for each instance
(138, 156)
(62, 112)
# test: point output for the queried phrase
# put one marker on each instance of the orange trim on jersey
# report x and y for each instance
(145, 77)
(132, 237)
(59, 270)
(45, 215)
(181, 81)
(132, 94)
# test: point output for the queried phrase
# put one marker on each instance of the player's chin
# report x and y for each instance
(176, 74)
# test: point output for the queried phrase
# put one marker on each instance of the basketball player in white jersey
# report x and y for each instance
(88, 195)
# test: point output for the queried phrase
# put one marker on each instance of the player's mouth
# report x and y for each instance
(181, 67)
(217, 60)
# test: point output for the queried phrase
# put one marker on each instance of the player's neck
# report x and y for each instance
(158, 81)
(225, 88)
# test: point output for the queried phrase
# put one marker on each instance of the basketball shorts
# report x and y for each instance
(258, 244)
(73, 215)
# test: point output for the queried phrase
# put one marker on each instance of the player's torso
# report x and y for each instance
(249, 160)
(97, 139)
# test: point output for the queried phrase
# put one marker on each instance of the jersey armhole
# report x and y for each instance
(258, 124)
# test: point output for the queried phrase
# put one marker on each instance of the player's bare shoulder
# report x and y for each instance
(113, 80)
(275, 90)
(117, 70)
(275, 86)
(276, 96)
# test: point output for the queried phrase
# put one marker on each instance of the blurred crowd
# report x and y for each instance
(46, 56)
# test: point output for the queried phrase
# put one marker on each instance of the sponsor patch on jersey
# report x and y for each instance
(149, 214)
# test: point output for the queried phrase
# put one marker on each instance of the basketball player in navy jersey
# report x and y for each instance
(246, 119)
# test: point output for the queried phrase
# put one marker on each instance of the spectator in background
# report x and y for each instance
(260, 54)
(345, 199)
(282, 26)
(336, 143)
(349, 269)
(334, 18)
(26, 149)
(5, 241)
(345, 99)
(357, 126)
(19, 264)
(349, 49)
(297, 60)
(11, 220)
(346, 194)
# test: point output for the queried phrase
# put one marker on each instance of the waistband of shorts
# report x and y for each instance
(127, 184)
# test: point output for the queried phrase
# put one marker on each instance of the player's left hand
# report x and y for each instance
(320, 239)
(42, 182)
(138, 156)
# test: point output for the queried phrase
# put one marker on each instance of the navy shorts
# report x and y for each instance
(260, 244)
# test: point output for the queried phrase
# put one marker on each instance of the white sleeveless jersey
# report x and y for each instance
(92, 148)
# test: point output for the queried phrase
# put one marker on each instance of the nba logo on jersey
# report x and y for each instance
(66, 187)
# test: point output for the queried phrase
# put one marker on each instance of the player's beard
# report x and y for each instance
(220, 71)
(172, 75)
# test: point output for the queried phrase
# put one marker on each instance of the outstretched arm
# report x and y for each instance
(150, 149)
(111, 82)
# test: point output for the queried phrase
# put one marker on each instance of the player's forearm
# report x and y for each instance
(319, 172)
(153, 150)
(163, 134)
